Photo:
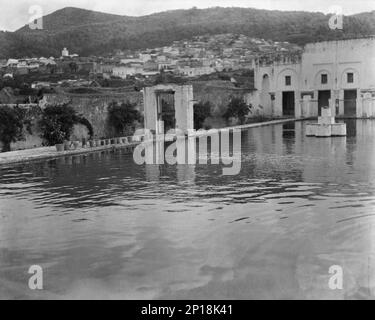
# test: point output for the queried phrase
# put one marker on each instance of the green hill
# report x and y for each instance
(87, 32)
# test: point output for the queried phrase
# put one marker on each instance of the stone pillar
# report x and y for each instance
(150, 108)
(278, 104)
(366, 105)
(331, 103)
(341, 102)
(306, 106)
(297, 105)
(184, 108)
(359, 108)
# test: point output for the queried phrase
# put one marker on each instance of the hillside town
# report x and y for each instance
(202, 55)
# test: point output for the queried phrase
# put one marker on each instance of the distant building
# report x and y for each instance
(339, 74)
(196, 71)
(125, 71)
(65, 53)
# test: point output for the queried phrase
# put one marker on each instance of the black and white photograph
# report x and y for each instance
(198, 150)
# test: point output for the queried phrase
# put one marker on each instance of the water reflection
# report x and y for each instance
(105, 227)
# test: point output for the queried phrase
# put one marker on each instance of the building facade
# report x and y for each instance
(339, 74)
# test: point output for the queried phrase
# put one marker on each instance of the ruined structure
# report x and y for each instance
(169, 106)
(326, 126)
(339, 74)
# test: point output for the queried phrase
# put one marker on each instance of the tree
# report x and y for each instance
(11, 126)
(122, 117)
(237, 108)
(57, 123)
(202, 110)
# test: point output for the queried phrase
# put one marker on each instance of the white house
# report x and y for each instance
(65, 52)
(339, 74)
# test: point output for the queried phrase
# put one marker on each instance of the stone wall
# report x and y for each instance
(218, 93)
(32, 133)
(94, 107)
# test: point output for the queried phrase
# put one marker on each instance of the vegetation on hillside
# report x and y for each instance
(87, 32)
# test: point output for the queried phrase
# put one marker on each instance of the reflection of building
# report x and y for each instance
(171, 105)
(339, 74)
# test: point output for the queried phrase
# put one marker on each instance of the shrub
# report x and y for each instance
(57, 123)
(202, 110)
(237, 108)
(11, 126)
(122, 117)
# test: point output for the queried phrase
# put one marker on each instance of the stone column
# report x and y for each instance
(150, 109)
(366, 105)
(331, 103)
(297, 105)
(278, 103)
(359, 108)
(341, 102)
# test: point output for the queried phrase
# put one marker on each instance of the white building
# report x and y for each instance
(125, 71)
(196, 71)
(339, 74)
(65, 53)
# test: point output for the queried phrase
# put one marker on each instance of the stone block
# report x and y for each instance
(326, 112)
(339, 129)
(311, 129)
(323, 130)
(326, 120)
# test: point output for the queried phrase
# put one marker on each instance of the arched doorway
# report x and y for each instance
(265, 98)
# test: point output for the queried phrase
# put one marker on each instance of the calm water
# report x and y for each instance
(103, 227)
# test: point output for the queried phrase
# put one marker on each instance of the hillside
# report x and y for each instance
(87, 32)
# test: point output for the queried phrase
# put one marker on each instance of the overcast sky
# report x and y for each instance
(14, 14)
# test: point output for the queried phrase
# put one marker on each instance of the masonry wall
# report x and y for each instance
(220, 94)
(95, 107)
(32, 133)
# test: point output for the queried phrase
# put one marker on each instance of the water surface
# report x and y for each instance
(103, 227)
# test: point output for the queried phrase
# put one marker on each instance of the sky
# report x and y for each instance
(15, 14)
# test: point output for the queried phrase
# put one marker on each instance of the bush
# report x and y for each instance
(122, 117)
(237, 108)
(58, 121)
(11, 126)
(202, 110)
